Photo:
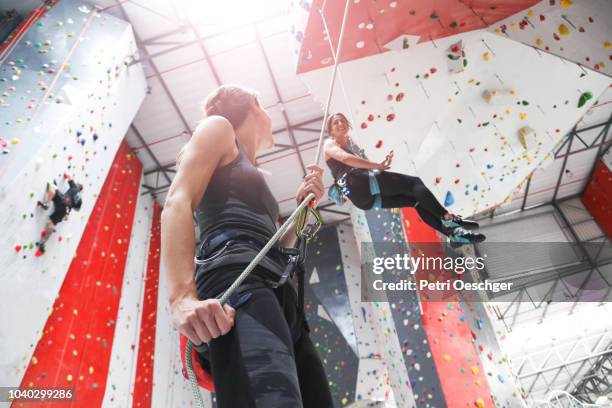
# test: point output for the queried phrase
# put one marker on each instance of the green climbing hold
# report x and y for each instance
(584, 98)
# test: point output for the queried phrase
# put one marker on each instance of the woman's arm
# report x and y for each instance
(335, 151)
(211, 144)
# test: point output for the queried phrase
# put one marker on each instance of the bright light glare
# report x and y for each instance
(231, 12)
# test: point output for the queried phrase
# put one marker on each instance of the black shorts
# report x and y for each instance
(268, 359)
(59, 209)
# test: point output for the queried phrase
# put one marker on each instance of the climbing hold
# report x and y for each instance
(486, 56)
(446, 357)
(475, 370)
(449, 199)
(15, 140)
(608, 45)
(566, 3)
(584, 98)
(17, 248)
(379, 144)
(479, 403)
(523, 133)
(390, 117)
(563, 30)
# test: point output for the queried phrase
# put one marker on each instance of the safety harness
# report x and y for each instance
(214, 247)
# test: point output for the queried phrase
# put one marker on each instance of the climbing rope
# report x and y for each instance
(300, 212)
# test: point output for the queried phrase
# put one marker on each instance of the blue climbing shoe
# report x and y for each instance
(457, 221)
(462, 236)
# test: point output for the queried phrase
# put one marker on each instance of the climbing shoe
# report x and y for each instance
(462, 236)
(41, 204)
(457, 221)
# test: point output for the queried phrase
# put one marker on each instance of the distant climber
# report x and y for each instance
(62, 205)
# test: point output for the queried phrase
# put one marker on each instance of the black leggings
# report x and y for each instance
(268, 359)
(398, 191)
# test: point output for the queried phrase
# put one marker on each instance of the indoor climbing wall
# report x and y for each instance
(66, 102)
(597, 197)
(461, 107)
(122, 368)
(76, 341)
(580, 31)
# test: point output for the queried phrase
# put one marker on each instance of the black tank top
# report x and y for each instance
(238, 198)
(338, 168)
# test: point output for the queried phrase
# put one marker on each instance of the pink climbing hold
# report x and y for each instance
(379, 144)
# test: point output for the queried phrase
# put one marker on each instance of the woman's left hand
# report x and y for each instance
(313, 183)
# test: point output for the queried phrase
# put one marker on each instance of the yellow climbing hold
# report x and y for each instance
(475, 370)
(513, 26)
(34, 360)
(69, 377)
(478, 382)
(479, 403)
(563, 30)
(15, 140)
(446, 357)
(566, 3)
(486, 56)
(539, 42)
(607, 45)
(523, 115)
(91, 369)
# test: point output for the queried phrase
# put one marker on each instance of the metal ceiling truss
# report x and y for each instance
(597, 382)
(582, 353)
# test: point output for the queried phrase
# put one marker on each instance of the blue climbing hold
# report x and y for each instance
(449, 200)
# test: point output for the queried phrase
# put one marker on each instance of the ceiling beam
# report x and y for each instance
(153, 157)
(280, 99)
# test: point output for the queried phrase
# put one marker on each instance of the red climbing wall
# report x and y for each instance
(370, 24)
(75, 347)
(597, 197)
(146, 347)
(450, 338)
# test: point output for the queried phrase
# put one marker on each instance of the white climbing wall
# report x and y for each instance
(73, 130)
(466, 149)
(122, 369)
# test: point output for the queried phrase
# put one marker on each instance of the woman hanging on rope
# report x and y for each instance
(353, 177)
(267, 359)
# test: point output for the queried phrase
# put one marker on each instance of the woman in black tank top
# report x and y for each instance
(357, 177)
(260, 353)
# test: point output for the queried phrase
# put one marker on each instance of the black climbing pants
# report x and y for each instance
(397, 191)
(268, 359)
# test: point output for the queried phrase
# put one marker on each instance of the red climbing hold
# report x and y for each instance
(364, 125)
(389, 97)
(38, 253)
(43, 233)
(379, 144)
(399, 97)
(438, 180)
(370, 117)
(456, 181)
(542, 18)
(390, 117)
(433, 70)
(17, 248)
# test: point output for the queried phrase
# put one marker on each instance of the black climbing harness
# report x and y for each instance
(295, 256)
